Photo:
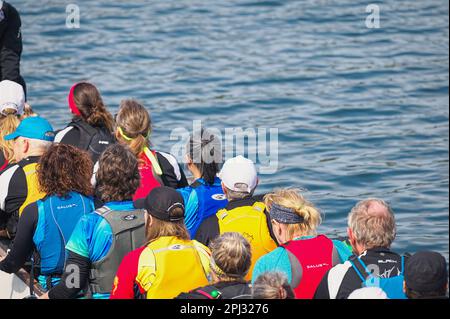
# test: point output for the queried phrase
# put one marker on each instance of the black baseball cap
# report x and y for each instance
(161, 203)
(426, 271)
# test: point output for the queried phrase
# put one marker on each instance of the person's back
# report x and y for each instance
(170, 263)
(10, 44)
(133, 129)
(92, 125)
(18, 182)
(243, 213)
(303, 255)
(57, 217)
(204, 197)
(371, 231)
(101, 239)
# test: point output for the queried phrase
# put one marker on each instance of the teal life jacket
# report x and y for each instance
(392, 286)
(57, 218)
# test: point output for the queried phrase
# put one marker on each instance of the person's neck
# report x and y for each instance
(195, 172)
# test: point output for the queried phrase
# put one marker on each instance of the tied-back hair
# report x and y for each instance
(272, 285)
(205, 151)
(161, 228)
(90, 104)
(8, 124)
(64, 169)
(293, 199)
(118, 174)
(231, 255)
(135, 122)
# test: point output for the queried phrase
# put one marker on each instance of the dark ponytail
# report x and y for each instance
(90, 104)
(206, 153)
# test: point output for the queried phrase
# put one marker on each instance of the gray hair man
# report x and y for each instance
(371, 231)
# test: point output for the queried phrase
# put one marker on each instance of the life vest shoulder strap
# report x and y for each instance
(258, 207)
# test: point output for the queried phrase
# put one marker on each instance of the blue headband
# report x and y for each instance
(285, 215)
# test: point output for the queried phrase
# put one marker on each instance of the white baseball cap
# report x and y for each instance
(12, 96)
(239, 170)
(368, 293)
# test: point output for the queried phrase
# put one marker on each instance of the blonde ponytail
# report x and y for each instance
(293, 199)
(133, 126)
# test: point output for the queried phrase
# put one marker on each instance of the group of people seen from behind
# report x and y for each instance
(97, 196)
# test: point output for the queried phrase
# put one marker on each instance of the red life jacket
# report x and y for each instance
(2, 167)
(148, 179)
(316, 257)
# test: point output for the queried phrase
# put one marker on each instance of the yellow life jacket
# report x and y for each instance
(250, 222)
(169, 266)
(33, 193)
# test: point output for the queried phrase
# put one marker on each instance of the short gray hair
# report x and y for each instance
(236, 195)
(372, 222)
(39, 145)
(272, 285)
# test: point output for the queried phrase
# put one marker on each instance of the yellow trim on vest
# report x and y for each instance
(250, 222)
(169, 266)
(33, 193)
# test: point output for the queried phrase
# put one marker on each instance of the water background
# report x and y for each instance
(361, 112)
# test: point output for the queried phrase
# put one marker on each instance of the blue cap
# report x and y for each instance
(36, 128)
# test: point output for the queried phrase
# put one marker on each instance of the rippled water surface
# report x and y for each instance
(361, 112)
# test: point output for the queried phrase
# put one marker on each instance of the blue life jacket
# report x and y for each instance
(210, 199)
(57, 218)
(392, 286)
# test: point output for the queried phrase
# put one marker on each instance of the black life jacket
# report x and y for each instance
(93, 139)
(232, 290)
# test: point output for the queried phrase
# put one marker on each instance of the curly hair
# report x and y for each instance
(118, 175)
(64, 169)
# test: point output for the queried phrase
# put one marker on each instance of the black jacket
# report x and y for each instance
(225, 290)
(10, 44)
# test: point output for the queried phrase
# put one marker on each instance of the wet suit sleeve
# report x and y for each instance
(208, 230)
(322, 291)
(13, 192)
(10, 45)
(70, 135)
(23, 244)
(74, 279)
(173, 174)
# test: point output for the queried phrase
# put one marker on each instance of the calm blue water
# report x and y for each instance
(360, 112)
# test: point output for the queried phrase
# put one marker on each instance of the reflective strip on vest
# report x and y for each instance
(33, 192)
(250, 222)
(316, 257)
(170, 266)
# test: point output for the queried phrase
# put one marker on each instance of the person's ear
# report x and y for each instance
(224, 189)
(189, 160)
(150, 220)
(26, 145)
